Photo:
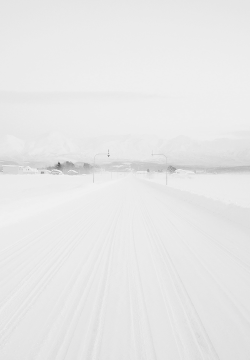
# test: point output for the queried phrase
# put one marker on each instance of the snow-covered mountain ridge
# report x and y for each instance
(224, 151)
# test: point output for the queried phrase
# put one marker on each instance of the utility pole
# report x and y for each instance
(108, 155)
(166, 164)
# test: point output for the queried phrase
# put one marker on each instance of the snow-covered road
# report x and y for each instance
(128, 271)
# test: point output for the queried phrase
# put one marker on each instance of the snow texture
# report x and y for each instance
(121, 269)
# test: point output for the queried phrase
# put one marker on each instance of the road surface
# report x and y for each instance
(128, 271)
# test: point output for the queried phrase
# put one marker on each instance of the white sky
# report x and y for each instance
(163, 67)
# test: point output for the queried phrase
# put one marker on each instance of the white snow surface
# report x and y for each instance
(24, 195)
(230, 188)
(121, 269)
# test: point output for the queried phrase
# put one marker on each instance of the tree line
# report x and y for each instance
(83, 168)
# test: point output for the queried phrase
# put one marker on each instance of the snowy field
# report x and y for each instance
(24, 195)
(123, 269)
(228, 188)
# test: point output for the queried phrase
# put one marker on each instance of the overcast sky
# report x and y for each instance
(106, 67)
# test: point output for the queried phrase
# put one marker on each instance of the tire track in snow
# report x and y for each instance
(192, 339)
(60, 337)
(137, 347)
(241, 310)
(9, 318)
(19, 246)
(142, 331)
(97, 322)
(55, 248)
(95, 332)
(62, 330)
(31, 278)
(57, 335)
(179, 215)
(13, 251)
(57, 228)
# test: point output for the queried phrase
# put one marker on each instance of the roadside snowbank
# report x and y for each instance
(228, 188)
(229, 211)
(22, 196)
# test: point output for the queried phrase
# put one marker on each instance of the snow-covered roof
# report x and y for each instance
(72, 172)
(56, 171)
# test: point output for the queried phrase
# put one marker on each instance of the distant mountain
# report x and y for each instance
(182, 150)
(125, 146)
(11, 147)
(52, 144)
(217, 152)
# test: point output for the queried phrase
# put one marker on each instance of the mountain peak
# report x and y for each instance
(11, 145)
(56, 146)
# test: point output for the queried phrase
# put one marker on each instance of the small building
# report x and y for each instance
(44, 171)
(29, 170)
(12, 169)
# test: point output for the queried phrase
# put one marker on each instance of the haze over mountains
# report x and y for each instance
(224, 151)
